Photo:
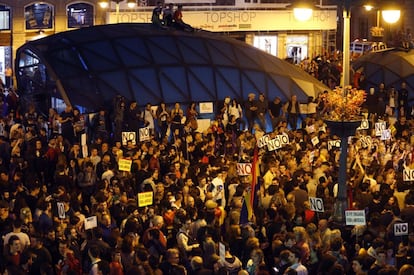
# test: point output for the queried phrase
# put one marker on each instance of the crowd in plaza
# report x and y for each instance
(67, 207)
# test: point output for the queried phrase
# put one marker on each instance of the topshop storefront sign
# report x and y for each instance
(240, 20)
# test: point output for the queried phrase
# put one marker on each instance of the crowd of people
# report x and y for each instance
(67, 207)
(165, 17)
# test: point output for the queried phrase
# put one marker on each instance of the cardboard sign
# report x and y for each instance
(61, 210)
(332, 144)
(364, 125)
(145, 199)
(400, 229)
(274, 144)
(222, 251)
(316, 204)
(144, 134)
(355, 217)
(386, 134)
(124, 165)
(408, 175)
(263, 141)
(379, 127)
(91, 222)
(315, 140)
(244, 169)
(128, 136)
(365, 141)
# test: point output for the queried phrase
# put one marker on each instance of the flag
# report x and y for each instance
(250, 199)
(255, 174)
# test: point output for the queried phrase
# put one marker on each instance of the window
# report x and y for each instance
(39, 16)
(80, 15)
(4, 18)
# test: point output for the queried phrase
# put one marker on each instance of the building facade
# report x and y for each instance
(266, 24)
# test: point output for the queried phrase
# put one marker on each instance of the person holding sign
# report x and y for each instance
(177, 115)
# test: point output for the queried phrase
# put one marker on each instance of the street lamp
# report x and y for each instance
(390, 14)
(302, 10)
(105, 4)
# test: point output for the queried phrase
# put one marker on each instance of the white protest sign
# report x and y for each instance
(274, 144)
(315, 140)
(244, 169)
(310, 129)
(400, 229)
(222, 251)
(365, 141)
(334, 144)
(85, 151)
(144, 134)
(129, 136)
(355, 217)
(364, 124)
(263, 141)
(91, 222)
(408, 175)
(379, 127)
(316, 204)
(145, 199)
(83, 139)
(284, 139)
(61, 210)
(124, 165)
(386, 134)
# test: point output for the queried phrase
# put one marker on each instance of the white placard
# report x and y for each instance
(129, 136)
(284, 139)
(263, 141)
(408, 174)
(364, 124)
(310, 129)
(244, 169)
(355, 217)
(144, 134)
(366, 141)
(222, 251)
(315, 140)
(83, 139)
(206, 107)
(274, 144)
(61, 210)
(91, 222)
(379, 127)
(85, 151)
(316, 204)
(400, 229)
(334, 144)
(386, 134)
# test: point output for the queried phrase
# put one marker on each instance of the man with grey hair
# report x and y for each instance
(157, 223)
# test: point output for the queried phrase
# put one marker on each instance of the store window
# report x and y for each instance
(267, 43)
(39, 16)
(80, 15)
(4, 17)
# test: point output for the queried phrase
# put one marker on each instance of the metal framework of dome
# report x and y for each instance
(90, 66)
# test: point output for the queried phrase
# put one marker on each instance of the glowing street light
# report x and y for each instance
(302, 10)
(105, 4)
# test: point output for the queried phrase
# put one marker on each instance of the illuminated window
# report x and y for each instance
(39, 16)
(80, 15)
(4, 18)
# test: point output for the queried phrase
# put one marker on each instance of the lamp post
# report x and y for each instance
(105, 4)
(389, 13)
